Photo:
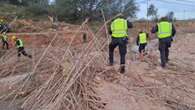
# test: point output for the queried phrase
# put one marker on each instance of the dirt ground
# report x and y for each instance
(144, 86)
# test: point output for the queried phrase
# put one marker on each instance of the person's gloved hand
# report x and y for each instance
(173, 38)
(126, 39)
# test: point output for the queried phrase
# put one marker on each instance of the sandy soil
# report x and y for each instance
(140, 87)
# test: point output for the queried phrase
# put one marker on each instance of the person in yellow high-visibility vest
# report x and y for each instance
(119, 32)
(5, 41)
(165, 31)
(142, 40)
(20, 46)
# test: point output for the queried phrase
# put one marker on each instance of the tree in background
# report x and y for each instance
(15, 2)
(170, 16)
(80, 9)
(153, 12)
(23, 2)
(112, 7)
(36, 7)
(72, 10)
(66, 10)
(130, 9)
(24, 8)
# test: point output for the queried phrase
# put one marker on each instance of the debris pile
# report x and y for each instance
(68, 74)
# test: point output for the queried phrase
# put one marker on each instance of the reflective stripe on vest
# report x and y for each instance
(119, 28)
(20, 43)
(142, 38)
(164, 30)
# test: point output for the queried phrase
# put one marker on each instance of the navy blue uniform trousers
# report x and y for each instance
(164, 45)
(122, 44)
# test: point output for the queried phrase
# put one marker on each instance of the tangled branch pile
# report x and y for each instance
(69, 70)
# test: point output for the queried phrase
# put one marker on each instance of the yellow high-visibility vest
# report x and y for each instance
(21, 44)
(142, 38)
(164, 29)
(4, 37)
(119, 28)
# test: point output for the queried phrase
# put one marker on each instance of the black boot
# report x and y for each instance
(122, 69)
(163, 65)
(30, 56)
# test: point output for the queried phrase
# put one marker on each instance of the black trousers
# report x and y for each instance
(5, 44)
(122, 44)
(164, 45)
(142, 47)
(23, 52)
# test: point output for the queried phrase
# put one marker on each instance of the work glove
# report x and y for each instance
(126, 40)
(173, 38)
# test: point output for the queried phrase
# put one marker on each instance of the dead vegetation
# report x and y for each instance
(67, 74)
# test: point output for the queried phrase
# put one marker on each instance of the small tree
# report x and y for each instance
(153, 12)
(113, 7)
